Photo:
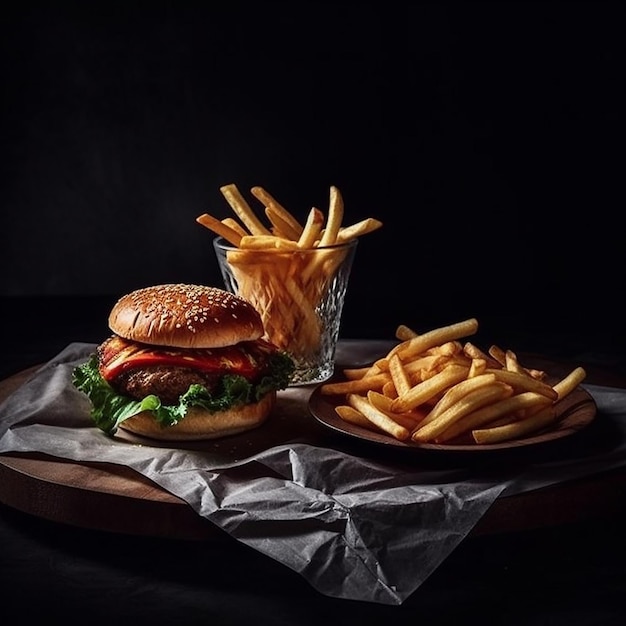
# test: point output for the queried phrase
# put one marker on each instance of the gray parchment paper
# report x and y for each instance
(352, 527)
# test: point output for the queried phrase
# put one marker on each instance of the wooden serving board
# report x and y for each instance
(115, 498)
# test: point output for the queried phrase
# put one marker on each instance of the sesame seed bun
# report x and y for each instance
(185, 316)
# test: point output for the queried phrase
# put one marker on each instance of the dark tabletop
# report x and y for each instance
(571, 573)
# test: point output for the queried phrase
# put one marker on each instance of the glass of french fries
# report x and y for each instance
(295, 273)
(299, 292)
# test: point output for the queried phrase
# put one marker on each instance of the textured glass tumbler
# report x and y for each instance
(300, 295)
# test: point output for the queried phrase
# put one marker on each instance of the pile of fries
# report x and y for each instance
(284, 267)
(435, 388)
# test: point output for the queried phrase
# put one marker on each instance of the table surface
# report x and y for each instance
(568, 571)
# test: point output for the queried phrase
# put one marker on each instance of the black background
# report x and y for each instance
(487, 136)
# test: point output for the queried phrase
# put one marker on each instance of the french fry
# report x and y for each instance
(359, 385)
(312, 229)
(523, 382)
(535, 422)
(282, 226)
(436, 337)
(243, 210)
(266, 242)
(404, 333)
(335, 218)
(382, 402)
(377, 417)
(217, 226)
(455, 392)
(429, 388)
(498, 354)
(477, 367)
(417, 368)
(277, 213)
(351, 415)
(358, 229)
(512, 364)
(473, 352)
(231, 222)
(490, 413)
(398, 375)
(469, 402)
(516, 430)
(389, 390)
(566, 385)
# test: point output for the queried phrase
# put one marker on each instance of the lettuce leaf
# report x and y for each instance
(110, 409)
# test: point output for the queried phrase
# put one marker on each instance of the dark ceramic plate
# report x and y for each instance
(574, 412)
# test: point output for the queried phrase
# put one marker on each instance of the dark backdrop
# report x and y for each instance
(488, 137)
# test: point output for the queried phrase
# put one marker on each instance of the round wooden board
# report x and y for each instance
(115, 498)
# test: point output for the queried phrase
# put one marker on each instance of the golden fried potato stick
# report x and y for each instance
(310, 328)
(507, 359)
(455, 392)
(536, 422)
(436, 337)
(368, 225)
(490, 413)
(356, 386)
(418, 368)
(377, 417)
(312, 229)
(280, 216)
(512, 364)
(470, 402)
(473, 352)
(523, 382)
(566, 385)
(231, 222)
(399, 375)
(429, 388)
(389, 390)
(266, 242)
(382, 402)
(516, 430)
(448, 348)
(477, 367)
(243, 210)
(335, 218)
(212, 223)
(498, 354)
(351, 415)
(281, 226)
(404, 332)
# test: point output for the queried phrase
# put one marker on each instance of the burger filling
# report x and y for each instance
(124, 378)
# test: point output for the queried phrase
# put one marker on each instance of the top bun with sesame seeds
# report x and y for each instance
(185, 316)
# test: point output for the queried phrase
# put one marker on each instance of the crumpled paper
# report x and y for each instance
(353, 527)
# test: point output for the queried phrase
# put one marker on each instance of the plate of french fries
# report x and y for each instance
(438, 390)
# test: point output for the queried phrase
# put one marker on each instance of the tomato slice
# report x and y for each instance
(117, 355)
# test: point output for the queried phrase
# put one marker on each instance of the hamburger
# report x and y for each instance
(184, 362)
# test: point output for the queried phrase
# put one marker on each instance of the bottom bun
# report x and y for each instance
(201, 424)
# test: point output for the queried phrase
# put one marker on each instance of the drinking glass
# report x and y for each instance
(300, 295)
